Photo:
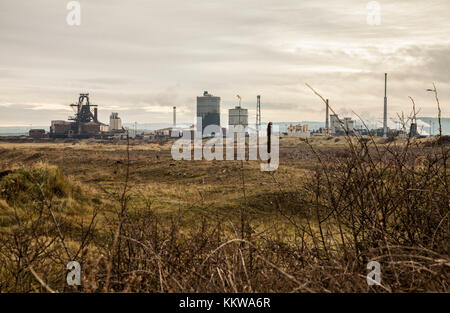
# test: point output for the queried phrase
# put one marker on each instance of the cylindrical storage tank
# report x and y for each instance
(238, 116)
(208, 109)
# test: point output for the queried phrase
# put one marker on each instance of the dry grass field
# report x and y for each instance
(138, 221)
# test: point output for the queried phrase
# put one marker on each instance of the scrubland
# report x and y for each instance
(138, 221)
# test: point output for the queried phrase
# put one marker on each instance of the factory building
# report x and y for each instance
(341, 127)
(89, 129)
(37, 133)
(334, 124)
(349, 124)
(238, 116)
(208, 109)
(59, 129)
(298, 130)
(322, 131)
(84, 124)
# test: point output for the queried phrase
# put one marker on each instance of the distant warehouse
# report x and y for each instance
(298, 130)
(37, 133)
(61, 129)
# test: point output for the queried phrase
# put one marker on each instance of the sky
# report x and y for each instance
(142, 57)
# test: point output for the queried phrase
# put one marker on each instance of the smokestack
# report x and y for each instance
(95, 115)
(258, 113)
(385, 107)
(327, 125)
(174, 116)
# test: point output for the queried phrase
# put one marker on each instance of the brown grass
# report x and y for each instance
(141, 222)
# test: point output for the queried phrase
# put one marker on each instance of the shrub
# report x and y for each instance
(25, 185)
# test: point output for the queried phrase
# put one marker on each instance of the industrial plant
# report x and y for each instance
(85, 123)
(298, 130)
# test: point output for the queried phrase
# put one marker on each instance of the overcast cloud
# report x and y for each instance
(141, 57)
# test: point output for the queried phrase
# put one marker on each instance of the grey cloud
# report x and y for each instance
(142, 57)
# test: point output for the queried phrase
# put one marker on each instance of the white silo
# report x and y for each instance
(115, 123)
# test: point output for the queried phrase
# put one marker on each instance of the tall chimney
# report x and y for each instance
(385, 107)
(258, 113)
(174, 116)
(95, 115)
(327, 125)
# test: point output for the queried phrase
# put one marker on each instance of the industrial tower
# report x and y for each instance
(258, 113)
(174, 117)
(385, 107)
(208, 110)
(83, 110)
(84, 115)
